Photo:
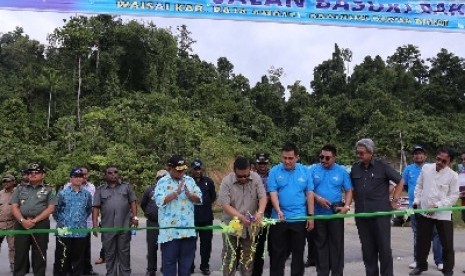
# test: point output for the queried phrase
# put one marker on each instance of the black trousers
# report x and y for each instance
(311, 249)
(38, 244)
(205, 237)
(375, 237)
(446, 236)
(69, 256)
(329, 242)
(285, 237)
(258, 261)
(152, 246)
(87, 257)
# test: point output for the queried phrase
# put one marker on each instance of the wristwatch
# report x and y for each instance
(21, 220)
(135, 218)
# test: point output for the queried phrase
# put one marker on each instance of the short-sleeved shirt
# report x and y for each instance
(6, 216)
(371, 185)
(73, 209)
(33, 199)
(291, 187)
(179, 212)
(329, 183)
(115, 204)
(410, 177)
(242, 197)
(91, 188)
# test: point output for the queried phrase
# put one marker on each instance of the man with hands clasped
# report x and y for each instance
(175, 195)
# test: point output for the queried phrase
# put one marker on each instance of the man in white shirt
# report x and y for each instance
(437, 187)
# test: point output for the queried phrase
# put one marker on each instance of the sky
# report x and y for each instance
(254, 47)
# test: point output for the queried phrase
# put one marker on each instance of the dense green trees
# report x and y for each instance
(107, 92)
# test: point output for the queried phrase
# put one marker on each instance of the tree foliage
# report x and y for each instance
(104, 91)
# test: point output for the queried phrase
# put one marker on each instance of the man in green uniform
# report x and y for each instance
(31, 205)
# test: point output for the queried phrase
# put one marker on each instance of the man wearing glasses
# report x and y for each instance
(291, 193)
(241, 195)
(330, 181)
(32, 204)
(437, 187)
(370, 179)
(7, 220)
(117, 203)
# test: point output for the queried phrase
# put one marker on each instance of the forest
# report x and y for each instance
(103, 91)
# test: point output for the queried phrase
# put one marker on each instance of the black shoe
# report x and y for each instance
(309, 263)
(205, 271)
(417, 271)
(90, 273)
(150, 273)
(449, 273)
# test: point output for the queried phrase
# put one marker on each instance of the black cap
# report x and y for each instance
(177, 162)
(76, 172)
(196, 164)
(35, 167)
(263, 157)
(418, 147)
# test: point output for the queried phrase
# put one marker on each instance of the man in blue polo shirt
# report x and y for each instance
(410, 176)
(329, 181)
(291, 194)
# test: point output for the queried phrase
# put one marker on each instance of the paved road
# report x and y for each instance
(401, 244)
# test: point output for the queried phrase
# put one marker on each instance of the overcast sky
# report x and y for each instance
(253, 47)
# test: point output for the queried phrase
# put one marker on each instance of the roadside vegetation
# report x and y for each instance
(129, 93)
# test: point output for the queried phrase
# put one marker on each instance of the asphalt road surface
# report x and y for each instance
(402, 246)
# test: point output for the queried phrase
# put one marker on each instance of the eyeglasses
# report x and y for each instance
(34, 172)
(327, 158)
(443, 161)
(112, 172)
(359, 152)
(242, 176)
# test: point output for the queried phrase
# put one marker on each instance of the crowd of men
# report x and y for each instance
(288, 192)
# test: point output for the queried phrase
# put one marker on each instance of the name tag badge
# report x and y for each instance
(42, 193)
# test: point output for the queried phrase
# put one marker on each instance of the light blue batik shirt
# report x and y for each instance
(179, 212)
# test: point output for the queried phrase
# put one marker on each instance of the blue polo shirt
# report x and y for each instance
(410, 176)
(329, 183)
(291, 187)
